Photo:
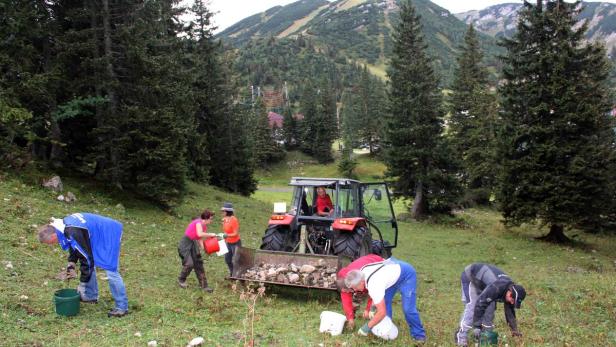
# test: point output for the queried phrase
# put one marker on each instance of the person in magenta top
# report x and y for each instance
(346, 294)
(189, 250)
(325, 207)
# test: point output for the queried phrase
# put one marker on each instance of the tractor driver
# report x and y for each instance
(325, 207)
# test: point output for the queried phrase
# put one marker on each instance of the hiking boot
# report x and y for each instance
(208, 289)
(182, 284)
(117, 313)
(95, 301)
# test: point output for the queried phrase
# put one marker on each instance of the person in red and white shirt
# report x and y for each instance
(346, 294)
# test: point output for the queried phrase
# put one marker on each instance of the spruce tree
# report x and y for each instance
(473, 122)
(557, 144)
(417, 155)
(266, 150)
(289, 129)
(325, 129)
(309, 109)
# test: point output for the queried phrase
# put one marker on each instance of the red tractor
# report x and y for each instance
(360, 221)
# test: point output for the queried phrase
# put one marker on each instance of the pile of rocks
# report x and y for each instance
(315, 275)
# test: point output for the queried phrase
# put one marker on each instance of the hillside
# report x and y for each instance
(357, 30)
(500, 20)
(570, 290)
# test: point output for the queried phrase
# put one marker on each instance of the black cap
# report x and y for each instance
(519, 293)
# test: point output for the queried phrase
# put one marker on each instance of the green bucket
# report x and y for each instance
(488, 338)
(67, 302)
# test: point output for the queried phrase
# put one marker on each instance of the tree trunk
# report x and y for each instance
(556, 235)
(420, 205)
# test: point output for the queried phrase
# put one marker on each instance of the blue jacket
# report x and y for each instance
(105, 236)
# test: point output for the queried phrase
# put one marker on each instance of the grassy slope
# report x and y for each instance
(570, 300)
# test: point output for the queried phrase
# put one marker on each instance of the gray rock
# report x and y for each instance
(54, 183)
(293, 278)
(70, 197)
(307, 269)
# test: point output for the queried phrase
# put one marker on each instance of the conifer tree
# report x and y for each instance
(309, 109)
(417, 155)
(266, 150)
(325, 129)
(557, 144)
(473, 118)
(289, 129)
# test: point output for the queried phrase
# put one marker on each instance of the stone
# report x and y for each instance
(70, 197)
(152, 343)
(293, 278)
(60, 197)
(54, 183)
(197, 341)
(307, 269)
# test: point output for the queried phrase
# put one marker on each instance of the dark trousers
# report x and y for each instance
(229, 256)
(188, 251)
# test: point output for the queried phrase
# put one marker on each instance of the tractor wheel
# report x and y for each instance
(276, 238)
(380, 248)
(353, 244)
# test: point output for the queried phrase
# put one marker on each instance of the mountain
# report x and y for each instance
(501, 20)
(356, 31)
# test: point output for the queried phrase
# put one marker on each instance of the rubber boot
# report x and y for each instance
(203, 281)
(183, 275)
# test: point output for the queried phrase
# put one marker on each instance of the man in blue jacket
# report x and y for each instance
(483, 285)
(92, 240)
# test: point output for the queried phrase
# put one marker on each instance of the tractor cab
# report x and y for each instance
(335, 216)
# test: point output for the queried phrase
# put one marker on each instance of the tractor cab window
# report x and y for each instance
(347, 202)
(303, 198)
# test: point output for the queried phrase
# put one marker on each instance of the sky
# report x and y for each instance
(229, 12)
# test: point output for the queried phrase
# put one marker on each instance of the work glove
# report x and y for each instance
(477, 333)
(516, 333)
(364, 330)
(222, 236)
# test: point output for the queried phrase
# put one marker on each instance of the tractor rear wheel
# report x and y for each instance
(276, 238)
(353, 244)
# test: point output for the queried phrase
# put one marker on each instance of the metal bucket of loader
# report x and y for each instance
(246, 259)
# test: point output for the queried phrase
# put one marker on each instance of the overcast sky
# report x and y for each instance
(228, 12)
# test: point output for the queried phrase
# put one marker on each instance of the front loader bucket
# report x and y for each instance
(246, 258)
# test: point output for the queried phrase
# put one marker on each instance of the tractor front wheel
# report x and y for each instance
(276, 238)
(353, 244)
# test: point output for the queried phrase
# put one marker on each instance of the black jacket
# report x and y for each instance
(82, 236)
(493, 284)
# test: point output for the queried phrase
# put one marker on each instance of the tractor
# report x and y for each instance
(361, 220)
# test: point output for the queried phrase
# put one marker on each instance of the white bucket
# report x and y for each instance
(332, 322)
(386, 329)
(223, 248)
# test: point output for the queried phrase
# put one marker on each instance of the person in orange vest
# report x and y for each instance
(346, 293)
(231, 228)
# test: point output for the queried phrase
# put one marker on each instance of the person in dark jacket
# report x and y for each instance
(483, 285)
(91, 240)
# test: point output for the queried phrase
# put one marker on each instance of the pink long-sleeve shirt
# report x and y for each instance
(347, 297)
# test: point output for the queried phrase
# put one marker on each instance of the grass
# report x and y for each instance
(570, 299)
(299, 164)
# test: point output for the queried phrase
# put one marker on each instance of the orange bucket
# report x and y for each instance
(211, 245)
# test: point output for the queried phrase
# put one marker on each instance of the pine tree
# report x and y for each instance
(309, 109)
(289, 129)
(473, 121)
(266, 150)
(416, 152)
(230, 145)
(557, 144)
(325, 129)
